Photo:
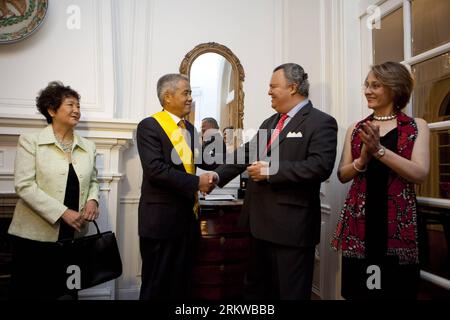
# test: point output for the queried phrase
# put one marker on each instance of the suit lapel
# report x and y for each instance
(295, 122)
(273, 123)
(190, 130)
(268, 128)
(194, 142)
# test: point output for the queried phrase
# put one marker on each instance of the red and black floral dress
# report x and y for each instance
(378, 224)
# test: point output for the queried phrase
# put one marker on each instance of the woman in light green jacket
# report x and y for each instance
(56, 181)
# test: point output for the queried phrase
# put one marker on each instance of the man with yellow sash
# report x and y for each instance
(168, 208)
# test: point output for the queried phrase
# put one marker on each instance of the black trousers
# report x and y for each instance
(167, 265)
(37, 273)
(279, 272)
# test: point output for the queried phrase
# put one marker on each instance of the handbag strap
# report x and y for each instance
(62, 241)
(96, 226)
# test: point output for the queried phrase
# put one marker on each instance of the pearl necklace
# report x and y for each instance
(385, 118)
(65, 146)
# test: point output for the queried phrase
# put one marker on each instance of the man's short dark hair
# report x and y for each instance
(168, 82)
(295, 74)
(212, 122)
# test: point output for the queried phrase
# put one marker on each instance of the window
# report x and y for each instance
(430, 24)
(431, 99)
(388, 40)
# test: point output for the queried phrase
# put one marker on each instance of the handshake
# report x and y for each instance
(257, 171)
(208, 181)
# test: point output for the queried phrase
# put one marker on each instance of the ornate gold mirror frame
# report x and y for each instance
(237, 105)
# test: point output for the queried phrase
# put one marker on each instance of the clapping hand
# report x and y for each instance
(365, 156)
(258, 171)
(208, 182)
(370, 136)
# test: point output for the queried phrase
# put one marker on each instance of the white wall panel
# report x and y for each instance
(81, 58)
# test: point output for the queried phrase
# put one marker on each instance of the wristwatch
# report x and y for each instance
(380, 153)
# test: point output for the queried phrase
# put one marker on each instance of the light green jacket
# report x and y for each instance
(40, 178)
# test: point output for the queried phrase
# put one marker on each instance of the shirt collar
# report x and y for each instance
(297, 108)
(174, 117)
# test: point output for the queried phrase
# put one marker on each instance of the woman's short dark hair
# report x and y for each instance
(52, 97)
(398, 79)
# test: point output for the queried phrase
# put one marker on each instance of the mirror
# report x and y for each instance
(217, 78)
(212, 88)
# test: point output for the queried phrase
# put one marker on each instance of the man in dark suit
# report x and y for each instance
(213, 144)
(282, 203)
(168, 208)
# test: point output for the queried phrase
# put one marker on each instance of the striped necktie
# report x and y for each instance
(277, 130)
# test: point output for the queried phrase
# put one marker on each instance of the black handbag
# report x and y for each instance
(97, 256)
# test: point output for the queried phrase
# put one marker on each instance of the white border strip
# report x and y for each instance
(439, 281)
(445, 48)
(435, 202)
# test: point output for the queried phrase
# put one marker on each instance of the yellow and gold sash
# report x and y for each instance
(180, 144)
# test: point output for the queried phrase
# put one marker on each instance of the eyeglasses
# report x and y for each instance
(372, 86)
